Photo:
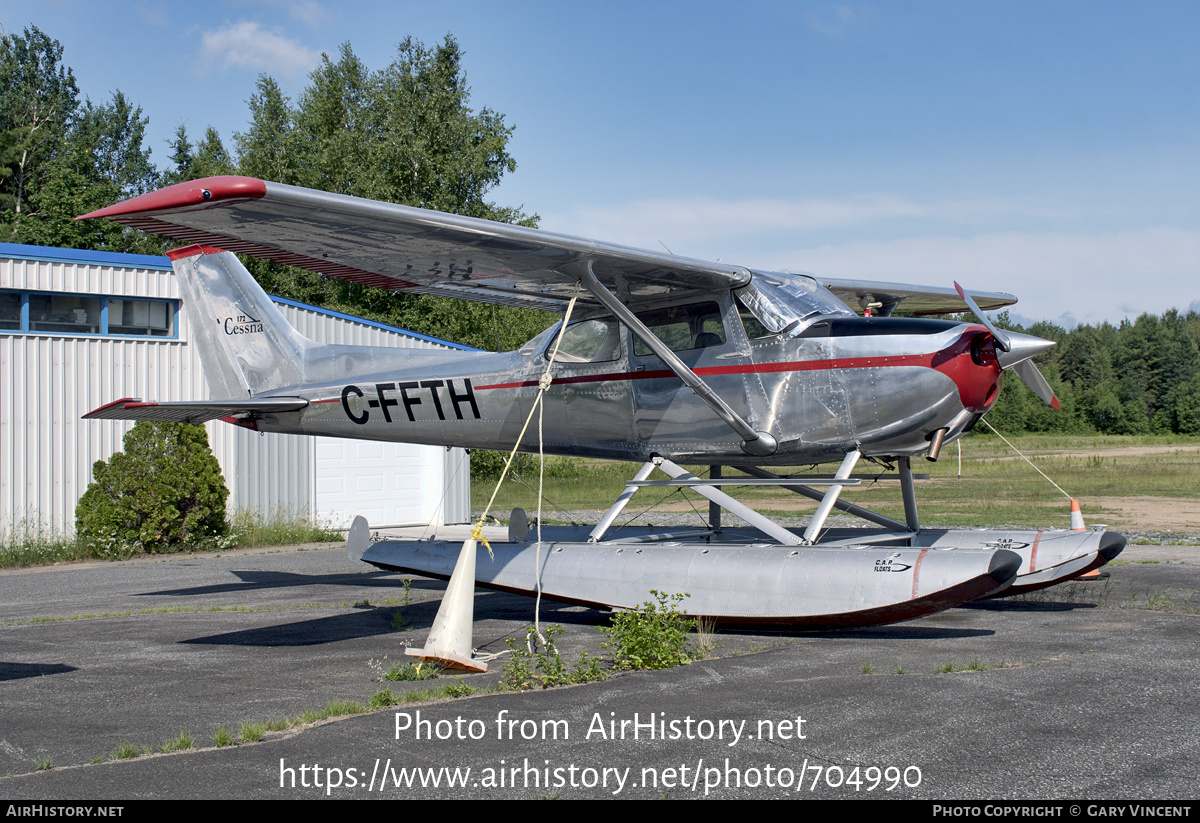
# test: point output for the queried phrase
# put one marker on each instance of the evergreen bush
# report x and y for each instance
(162, 493)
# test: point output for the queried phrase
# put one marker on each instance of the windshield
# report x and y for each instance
(788, 301)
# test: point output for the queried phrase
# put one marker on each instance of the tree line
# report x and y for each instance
(403, 134)
(407, 134)
(1138, 377)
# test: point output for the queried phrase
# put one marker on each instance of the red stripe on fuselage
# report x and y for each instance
(749, 368)
(974, 382)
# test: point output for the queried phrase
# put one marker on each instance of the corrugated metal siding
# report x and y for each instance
(47, 382)
(456, 491)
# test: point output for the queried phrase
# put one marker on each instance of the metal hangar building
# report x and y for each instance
(79, 329)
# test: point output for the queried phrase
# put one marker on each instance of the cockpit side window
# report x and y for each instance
(755, 330)
(591, 341)
(681, 328)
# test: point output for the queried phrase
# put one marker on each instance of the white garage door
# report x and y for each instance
(390, 484)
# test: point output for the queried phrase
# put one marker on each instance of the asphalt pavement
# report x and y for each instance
(1081, 691)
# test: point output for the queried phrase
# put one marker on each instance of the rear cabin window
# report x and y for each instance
(681, 328)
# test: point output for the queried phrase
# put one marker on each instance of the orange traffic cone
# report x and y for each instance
(1076, 517)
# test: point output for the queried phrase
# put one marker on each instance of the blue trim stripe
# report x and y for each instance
(147, 261)
(56, 255)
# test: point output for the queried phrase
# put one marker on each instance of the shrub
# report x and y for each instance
(163, 492)
(656, 635)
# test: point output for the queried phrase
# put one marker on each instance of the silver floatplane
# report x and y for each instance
(664, 361)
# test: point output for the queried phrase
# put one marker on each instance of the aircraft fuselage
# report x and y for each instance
(881, 385)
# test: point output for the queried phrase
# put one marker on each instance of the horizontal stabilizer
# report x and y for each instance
(130, 408)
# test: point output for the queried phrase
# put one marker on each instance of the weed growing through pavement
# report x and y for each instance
(544, 668)
(180, 742)
(252, 732)
(412, 671)
(706, 644)
(126, 751)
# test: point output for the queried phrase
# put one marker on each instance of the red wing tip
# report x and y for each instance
(1054, 404)
(113, 404)
(192, 251)
(203, 193)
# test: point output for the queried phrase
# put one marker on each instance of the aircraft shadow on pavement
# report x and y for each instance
(19, 671)
(253, 580)
(362, 622)
(372, 621)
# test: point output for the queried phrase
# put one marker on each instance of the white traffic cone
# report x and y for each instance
(449, 640)
(1076, 517)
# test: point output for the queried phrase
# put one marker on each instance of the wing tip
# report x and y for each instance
(192, 251)
(99, 412)
(202, 193)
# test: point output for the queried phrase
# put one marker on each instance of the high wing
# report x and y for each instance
(917, 300)
(428, 252)
(188, 411)
(417, 250)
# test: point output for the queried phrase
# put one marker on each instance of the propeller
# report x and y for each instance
(1016, 351)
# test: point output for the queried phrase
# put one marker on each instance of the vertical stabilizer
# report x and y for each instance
(246, 345)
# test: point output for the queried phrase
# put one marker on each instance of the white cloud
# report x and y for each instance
(833, 20)
(246, 45)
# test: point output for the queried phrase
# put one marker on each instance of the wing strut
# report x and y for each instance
(759, 444)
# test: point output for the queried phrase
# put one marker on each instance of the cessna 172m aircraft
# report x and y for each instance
(665, 360)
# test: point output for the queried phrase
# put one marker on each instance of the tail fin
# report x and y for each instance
(246, 345)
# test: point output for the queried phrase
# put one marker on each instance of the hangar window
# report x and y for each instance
(87, 314)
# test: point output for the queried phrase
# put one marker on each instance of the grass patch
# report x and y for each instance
(868, 668)
(412, 671)
(223, 737)
(182, 741)
(252, 732)
(33, 544)
(279, 528)
(705, 643)
(128, 751)
(45, 764)
(996, 488)
(976, 665)
(544, 667)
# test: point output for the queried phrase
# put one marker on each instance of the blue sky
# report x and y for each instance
(1050, 150)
